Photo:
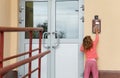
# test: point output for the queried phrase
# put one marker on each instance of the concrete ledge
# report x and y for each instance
(108, 74)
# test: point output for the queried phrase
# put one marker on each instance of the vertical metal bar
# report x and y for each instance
(30, 54)
(39, 60)
(1, 50)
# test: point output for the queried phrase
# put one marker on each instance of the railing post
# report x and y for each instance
(39, 60)
(30, 54)
(1, 49)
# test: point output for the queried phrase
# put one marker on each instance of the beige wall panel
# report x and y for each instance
(108, 48)
(14, 23)
(9, 18)
(5, 21)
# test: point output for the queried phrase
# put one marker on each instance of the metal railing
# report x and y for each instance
(4, 70)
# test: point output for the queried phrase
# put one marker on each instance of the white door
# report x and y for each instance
(62, 21)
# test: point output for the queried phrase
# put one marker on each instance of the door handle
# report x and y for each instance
(56, 34)
(45, 35)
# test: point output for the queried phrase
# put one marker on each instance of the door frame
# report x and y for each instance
(51, 12)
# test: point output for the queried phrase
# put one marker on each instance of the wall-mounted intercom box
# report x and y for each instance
(96, 23)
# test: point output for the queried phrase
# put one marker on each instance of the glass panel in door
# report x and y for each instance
(36, 15)
(67, 19)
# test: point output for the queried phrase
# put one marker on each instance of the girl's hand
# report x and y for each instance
(96, 29)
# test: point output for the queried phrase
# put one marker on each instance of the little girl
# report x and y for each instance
(89, 48)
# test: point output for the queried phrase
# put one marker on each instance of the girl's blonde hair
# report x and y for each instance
(87, 43)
